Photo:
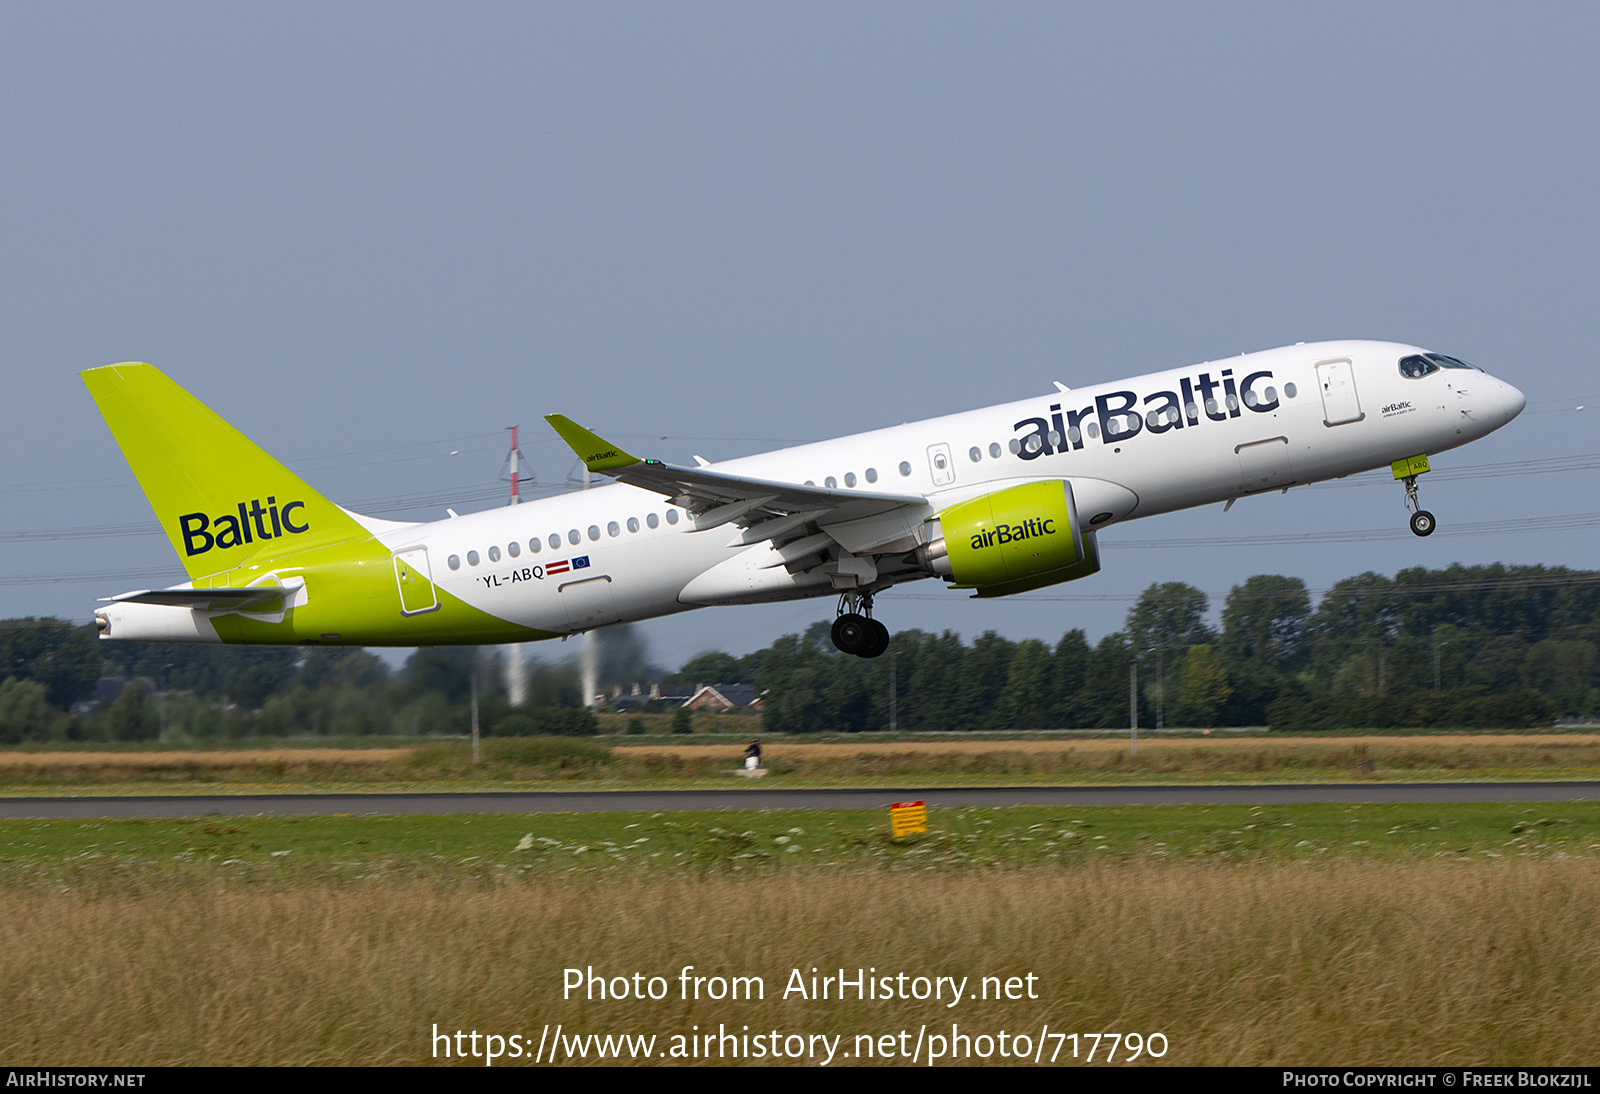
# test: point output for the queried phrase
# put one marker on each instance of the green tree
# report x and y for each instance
(331, 666)
(62, 657)
(1203, 685)
(1105, 696)
(25, 713)
(133, 717)
(1265, 620)
(1170, 616)
(1071, 663)
(1499, 661)
(1030, 697)
(712, 667)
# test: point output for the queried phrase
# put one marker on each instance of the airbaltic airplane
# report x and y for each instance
(998, 501)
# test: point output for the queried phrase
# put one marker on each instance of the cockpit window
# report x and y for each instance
(1421, 364)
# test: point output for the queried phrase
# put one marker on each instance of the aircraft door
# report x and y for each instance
(589, 602)
(1340, 404)
(1265, 464)
(940, 463)
(415, 579)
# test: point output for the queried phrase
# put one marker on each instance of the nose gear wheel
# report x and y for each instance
(1422, 522)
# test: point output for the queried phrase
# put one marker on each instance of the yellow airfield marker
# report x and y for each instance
(907, 817)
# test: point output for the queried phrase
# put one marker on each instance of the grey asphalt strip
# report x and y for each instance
(290, 805)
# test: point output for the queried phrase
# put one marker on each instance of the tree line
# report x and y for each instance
(1469, 646)
(1462, 646)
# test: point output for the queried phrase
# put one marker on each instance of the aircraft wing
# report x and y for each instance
(763, 508)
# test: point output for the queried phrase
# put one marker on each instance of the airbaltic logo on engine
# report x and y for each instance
(1118, 416)
(201, 533)
(1011, 533)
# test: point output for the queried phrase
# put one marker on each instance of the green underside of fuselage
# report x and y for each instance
(352, 598)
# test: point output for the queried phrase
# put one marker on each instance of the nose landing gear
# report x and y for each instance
(1407, 470)
(855, 631)
(1422, 523)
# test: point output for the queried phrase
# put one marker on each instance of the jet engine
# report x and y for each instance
(1024, 537)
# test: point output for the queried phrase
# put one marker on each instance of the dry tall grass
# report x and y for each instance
(1428, 963)
(564, 761)
(1148, 744)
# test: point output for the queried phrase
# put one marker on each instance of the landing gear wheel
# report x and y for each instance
(852, 633)
(1422, 523)
(880, 640)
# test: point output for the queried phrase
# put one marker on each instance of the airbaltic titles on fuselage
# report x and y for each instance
(1117, 416)
(201, 533)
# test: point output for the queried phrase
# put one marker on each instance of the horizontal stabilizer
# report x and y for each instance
(255, 597)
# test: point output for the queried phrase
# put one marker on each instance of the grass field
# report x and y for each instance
(524, 763)
(1388, 947)
(1297, 934)
(92, 855)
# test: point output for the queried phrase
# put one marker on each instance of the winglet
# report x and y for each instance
(596, 453)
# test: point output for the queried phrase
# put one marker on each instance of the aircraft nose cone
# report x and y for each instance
(1514, 400)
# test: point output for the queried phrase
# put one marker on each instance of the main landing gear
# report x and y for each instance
(855, 631)
(1422, 523)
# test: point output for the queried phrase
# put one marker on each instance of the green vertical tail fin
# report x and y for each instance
(219, 497)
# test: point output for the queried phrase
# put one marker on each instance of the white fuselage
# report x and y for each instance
(1207, 433)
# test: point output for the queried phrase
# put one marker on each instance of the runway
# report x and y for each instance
(290, 805)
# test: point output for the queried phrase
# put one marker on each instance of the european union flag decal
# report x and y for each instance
(581, 562)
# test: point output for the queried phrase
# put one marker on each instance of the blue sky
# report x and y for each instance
(372, 235)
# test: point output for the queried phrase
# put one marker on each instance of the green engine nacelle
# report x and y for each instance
(1011, 541)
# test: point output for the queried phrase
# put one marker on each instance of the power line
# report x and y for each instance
(1391, 588)
(1503, 469)
(1558, 523)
